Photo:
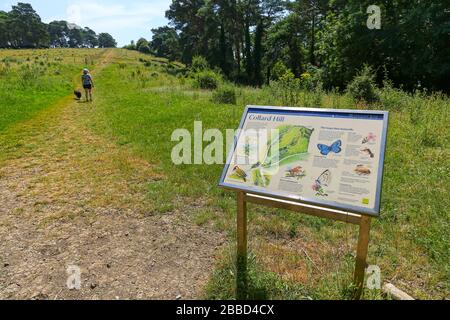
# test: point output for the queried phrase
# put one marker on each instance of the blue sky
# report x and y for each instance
(125, 20)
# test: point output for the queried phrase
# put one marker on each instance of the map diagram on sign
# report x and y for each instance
(288, 146)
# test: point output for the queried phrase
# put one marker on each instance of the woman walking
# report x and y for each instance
(88, 84)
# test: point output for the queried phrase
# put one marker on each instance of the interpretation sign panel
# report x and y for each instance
(327, 157)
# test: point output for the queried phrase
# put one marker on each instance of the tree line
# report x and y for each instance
(250, 41)
(22, 27)
(165, 43)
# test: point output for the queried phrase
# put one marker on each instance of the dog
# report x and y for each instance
(77, 94)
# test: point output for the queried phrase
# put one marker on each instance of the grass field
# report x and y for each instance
(140, 101)
(33, 80)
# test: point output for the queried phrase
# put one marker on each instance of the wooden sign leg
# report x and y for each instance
(241, 263)
(361, 255)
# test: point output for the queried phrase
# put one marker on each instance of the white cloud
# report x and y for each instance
(101, 16)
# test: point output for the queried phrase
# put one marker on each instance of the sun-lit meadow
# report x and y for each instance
(31, 80)
(140, 100)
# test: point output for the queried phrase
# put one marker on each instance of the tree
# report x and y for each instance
(311, 14)
(142, 45)
(22, 28)
(225, 52)
(105, 40)
(59, 34)
(230, 34)
(165, 43)
(63, 34)
(258, 53)
(26, 28)
(412, 45)
(89, 38)
(75, 37)
(245, 37)
(4, 31)
(284, 43)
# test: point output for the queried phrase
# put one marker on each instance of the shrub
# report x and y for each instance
(226, 95)
(312, 79)
(362, 87)
(154, 74)
(305, 77)
(312, 98)
(145, 48)
(199, 63)
(278, 70)
(288, 88)
(29, 76)
(4, 69)
(207, 79)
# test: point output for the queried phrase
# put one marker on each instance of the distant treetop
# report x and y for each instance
(23, 28)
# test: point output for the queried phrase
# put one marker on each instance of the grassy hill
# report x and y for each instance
(31, 80)
(141, 100)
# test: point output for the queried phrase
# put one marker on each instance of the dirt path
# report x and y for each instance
(68, 197)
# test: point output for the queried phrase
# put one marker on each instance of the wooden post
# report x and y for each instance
(363, 238)
(361, 255)
(241, 263)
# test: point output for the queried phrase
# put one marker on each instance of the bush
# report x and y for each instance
(199, 63)
(288, 89)
(145, 48)
(312, 98)
(226, 95)
(278, 70)
(311, 80)
(362, 87)
(154, 74)
(393, 99)
(29, 76)
(142, 45)
(207, 79)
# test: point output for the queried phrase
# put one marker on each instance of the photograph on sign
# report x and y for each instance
(327, 157)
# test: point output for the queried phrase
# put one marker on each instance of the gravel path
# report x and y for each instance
(68, 197)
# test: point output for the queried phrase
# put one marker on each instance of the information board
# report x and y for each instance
(327, 157)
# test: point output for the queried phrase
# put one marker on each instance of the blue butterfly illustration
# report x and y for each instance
(335, 147)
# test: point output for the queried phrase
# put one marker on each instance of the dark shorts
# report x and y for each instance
(87, 86)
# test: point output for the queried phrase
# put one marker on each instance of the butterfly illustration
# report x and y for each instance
(323, 180)
(335, 147)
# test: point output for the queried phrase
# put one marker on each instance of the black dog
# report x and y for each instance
(77, 94)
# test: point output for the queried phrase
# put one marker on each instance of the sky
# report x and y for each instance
(125, 20)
